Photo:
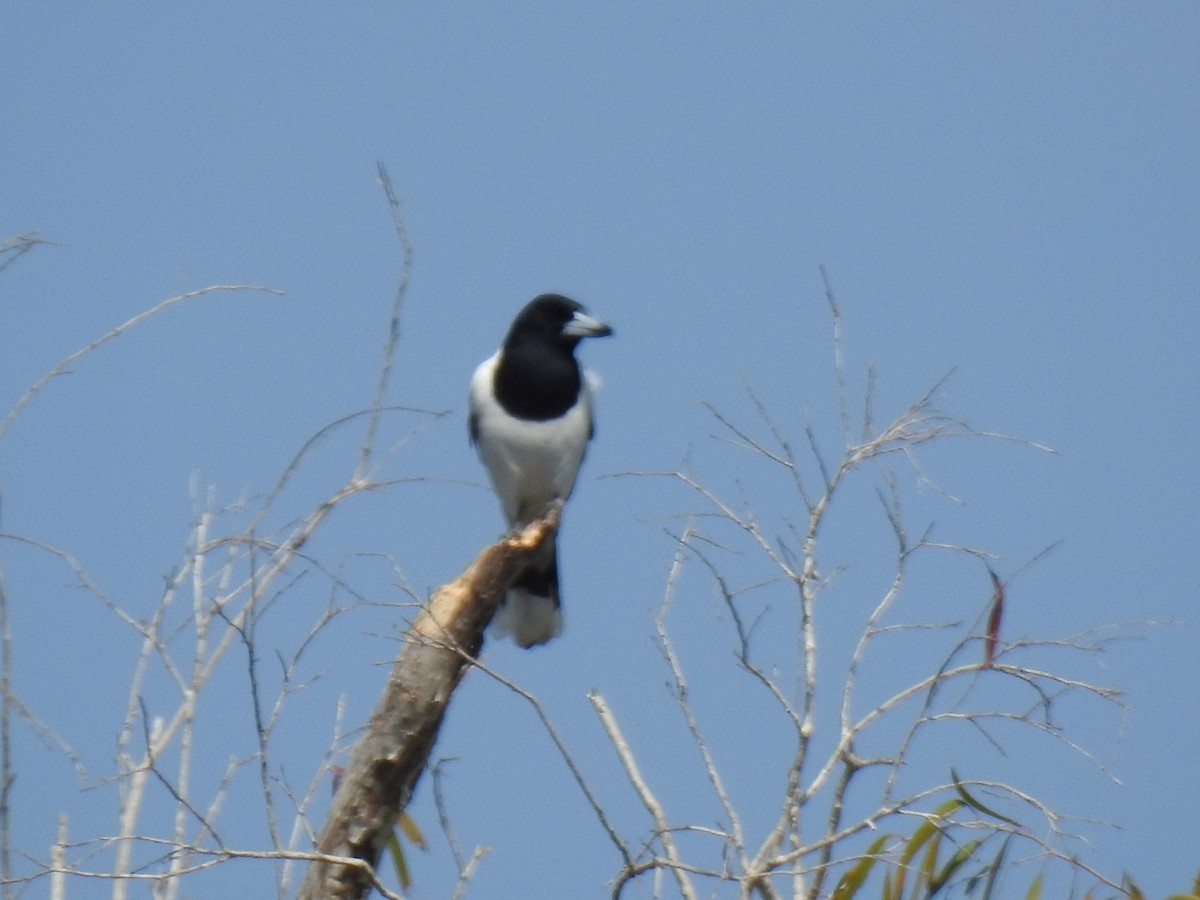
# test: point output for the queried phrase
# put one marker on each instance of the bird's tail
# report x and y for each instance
(531, 612)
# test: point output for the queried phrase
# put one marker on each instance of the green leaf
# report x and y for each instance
(953, 864)
(929, 861)
(1035, 889)
(406, 824)
(890, 891)
(1132, 891)
(925, 831)
(853, 879)
(976, 805)
(994, 869)
(398, 861)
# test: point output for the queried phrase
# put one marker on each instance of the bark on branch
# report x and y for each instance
(387, 761)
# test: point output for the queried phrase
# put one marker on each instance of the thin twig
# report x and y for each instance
(64, 366)
(393, 336)
(609, 722)
(568, 758)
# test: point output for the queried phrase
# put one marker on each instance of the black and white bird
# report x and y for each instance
(531, 420)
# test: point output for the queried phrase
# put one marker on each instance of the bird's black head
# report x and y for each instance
(537, 376)
(554, 318)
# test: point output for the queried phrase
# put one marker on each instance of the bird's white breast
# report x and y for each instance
(530, 463)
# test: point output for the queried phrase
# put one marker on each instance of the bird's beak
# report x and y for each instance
(582, 325)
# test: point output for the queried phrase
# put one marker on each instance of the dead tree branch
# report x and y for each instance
(384, 767)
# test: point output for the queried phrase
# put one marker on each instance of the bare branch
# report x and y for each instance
(681, 696)
(663, 830)
(393, 335)
(64, 366)
(14, 248)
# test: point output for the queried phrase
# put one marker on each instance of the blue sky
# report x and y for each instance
(1009, 189)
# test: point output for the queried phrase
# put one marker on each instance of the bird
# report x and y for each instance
(530, 419)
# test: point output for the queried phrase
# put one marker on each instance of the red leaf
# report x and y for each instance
(993, 625)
